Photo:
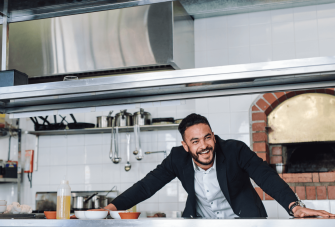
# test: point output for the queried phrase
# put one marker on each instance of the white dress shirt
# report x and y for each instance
(210, 201)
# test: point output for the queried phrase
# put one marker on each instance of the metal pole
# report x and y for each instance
(36, 154)
(5, 37)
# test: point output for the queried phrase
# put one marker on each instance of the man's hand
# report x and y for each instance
(301, 212)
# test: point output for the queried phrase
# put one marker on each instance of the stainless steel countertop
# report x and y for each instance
(173, 222)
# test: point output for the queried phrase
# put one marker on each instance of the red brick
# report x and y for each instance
(262, 104)
(290, 94)
(267, 197)
(310, 191)
(264, 156)
(331, 192)
(270, 98)
(321, 192)
(274, 104)
(281, 97)
(320, 91)
(299, 92)
(315, 177)
(276, 151)
(257, 147)
(293, 188)
(258, 126)
(259, 117)
(260, 192)
(330, 91)
(310, 91)
(300, 190)
(276, 159)
(327, 177)
(297, 177)
(259, 136)
(255, 108)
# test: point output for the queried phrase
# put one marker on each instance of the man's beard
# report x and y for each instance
(196, 158)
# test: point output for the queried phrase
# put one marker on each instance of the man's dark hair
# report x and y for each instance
(190, 120)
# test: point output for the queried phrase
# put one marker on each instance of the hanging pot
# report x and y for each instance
(105, 121)
(123, 118)
(142, 118)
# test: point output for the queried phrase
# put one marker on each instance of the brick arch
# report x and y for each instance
(259, 110)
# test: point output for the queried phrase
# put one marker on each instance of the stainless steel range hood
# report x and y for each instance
(99, 43)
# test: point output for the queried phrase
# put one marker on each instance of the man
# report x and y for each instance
(216, 175)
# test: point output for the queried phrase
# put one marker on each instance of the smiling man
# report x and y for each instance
(216, 175)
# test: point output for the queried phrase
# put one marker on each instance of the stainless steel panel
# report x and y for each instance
(122, 38)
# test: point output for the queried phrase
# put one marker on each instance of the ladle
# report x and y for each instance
(140, 156)
(135, 152)
(116, 158)
(128, 165)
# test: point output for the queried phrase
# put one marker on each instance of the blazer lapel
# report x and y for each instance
(221, 170)
(189, 182)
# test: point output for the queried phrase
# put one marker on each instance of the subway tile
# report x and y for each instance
(260, 17)
(220, 123)
(144, 169)
(93, 154)
(245, 138)
(168, 207)
(217, 58)
(169, 193)
(283, 32)
(201, 105)
(112, 172)
(317, 204)
(94, 174)
(326, 28)
(260, 53)
(325, 10)
(44, 141)
(41, 176)
(282, 213)
(260, 34)
(239, 55)
(271, 208)
(181, 206)
(131, 176)
(239, 122)
(93, 139)
(91, 117)
(216, 39)
(75, 140)
(43, 158)
(283, 51)
(149, 206)
(57, 156)
(305, 30)
(238, 20)
(218, 105)
(327, 47)
(77, 187)
(240, 103)
(76, 174)
(282, 15)
(150, 147)
(167, 111)
(224, 136)
(166, 135)
(200, 24)
(332, 206)
(76, 155)
(310, 47)
(219, 22)
(238, 36)
(58, 141)
(57, 174)
(305, 13)
(199, 40)
(200, 59)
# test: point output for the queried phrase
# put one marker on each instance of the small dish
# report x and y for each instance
(3, 203)
(129, 215)
(50, 214)
(97, 214)
(80, 214)
(115, 214)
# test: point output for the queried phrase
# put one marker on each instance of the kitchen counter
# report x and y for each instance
(164, 222)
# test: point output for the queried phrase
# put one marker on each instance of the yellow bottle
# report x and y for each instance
(63, 200)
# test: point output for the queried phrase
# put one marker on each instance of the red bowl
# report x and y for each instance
(50, 214)
(129, 215)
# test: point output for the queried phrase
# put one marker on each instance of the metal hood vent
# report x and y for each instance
(107, 42)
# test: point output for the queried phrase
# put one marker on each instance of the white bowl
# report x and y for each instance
(3, 209)
(96, 214)
(80, 214)
(3, 202)
(115, 214)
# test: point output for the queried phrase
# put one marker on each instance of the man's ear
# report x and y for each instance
(185, 146)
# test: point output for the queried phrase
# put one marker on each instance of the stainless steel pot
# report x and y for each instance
(99, 201)
(83, 202)
(142, 118)
(123, 118)
(105, 121)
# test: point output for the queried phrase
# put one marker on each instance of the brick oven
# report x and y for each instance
(287, 127)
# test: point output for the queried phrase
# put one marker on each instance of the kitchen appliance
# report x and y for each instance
(83, 202)
(123, 118)
(105, 121)
(163, 121)
(142, 118)
(79, 125)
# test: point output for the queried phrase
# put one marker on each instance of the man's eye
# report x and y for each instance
(195, 142)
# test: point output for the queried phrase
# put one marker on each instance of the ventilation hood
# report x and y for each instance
(148, 37)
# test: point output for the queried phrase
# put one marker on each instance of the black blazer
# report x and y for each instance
(235, 163)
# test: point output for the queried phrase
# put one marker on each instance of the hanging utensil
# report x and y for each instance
(116, 158)
(140, 156)
(135, 152)
(128, 165)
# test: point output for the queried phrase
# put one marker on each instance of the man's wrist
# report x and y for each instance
(296, 208)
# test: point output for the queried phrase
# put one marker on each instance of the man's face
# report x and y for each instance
(199, 140)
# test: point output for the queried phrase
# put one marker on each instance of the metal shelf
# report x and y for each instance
(143, 128)
(8, 180)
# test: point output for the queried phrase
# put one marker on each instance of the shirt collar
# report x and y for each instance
(197, 168)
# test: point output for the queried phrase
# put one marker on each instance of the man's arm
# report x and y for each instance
(271, 183)
(146, 187)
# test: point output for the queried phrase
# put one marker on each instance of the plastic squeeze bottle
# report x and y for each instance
(63, 200)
